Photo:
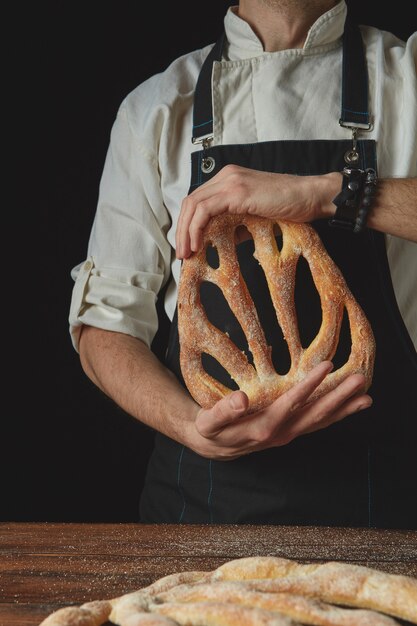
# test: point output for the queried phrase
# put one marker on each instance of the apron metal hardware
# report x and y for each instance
(204, 139)
(207, 162)
(352, 156)
(207, 165)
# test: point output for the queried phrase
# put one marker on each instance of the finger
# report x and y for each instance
(182, 237)
(271, 423)
(298, 395)
(348, 395)
(188, 207)
(351, 406)
(210, 422)
(205, 209)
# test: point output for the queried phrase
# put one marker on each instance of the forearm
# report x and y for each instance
(240, 190)
(128, 372)
(395, 208)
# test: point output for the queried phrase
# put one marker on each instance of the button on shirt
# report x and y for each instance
(257, 96)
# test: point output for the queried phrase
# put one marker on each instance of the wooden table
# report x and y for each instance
(44, 566)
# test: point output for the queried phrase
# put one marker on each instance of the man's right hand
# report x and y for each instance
(226, 431)
(127, 371)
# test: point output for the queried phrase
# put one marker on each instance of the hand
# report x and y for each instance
(226, 432)
(241, 190)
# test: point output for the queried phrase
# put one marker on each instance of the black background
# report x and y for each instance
(68, 453)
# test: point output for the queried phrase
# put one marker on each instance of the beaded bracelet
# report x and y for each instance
(355, 199)
(368, 195)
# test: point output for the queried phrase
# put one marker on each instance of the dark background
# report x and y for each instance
(68, 453)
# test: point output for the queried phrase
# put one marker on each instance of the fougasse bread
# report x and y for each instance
(260, 381)
(258, 591)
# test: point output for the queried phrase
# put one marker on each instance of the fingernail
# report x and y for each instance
(364, 405)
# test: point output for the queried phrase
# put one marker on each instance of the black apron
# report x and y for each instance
(361, 471)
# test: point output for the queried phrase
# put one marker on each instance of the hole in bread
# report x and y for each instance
(241, 234)
(212, 257)
(278, 236)
(222, 317)
(307, 303)
(344, 344)
(257, 285)
(213, 367)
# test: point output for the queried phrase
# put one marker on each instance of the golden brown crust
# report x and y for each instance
(93, 613)
(337, 583)
(258, 591)
(222, 614)
(139, 601)
(296, 606)
(261, 382)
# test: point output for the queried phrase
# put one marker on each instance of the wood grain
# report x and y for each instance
(44, 566)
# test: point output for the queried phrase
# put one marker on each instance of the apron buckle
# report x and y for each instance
(204, 139)
(207, 162)
(352, 156)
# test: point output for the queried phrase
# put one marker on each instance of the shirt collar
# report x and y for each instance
(243, 43)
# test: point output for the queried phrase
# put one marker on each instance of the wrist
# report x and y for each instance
(354, 200)
(327, 187)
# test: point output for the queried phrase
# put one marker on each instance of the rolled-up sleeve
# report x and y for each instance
(128, 257)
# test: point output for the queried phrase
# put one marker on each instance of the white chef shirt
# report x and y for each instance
(257, 96)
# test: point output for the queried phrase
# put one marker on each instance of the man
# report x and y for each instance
(263, 107)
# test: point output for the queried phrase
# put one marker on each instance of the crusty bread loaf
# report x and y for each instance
(260, 381)
(258, 591)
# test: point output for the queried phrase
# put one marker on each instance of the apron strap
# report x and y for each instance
(203, 109)
(354, 79)
(354, 110)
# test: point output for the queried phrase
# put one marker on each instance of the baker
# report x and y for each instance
(298, 114)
